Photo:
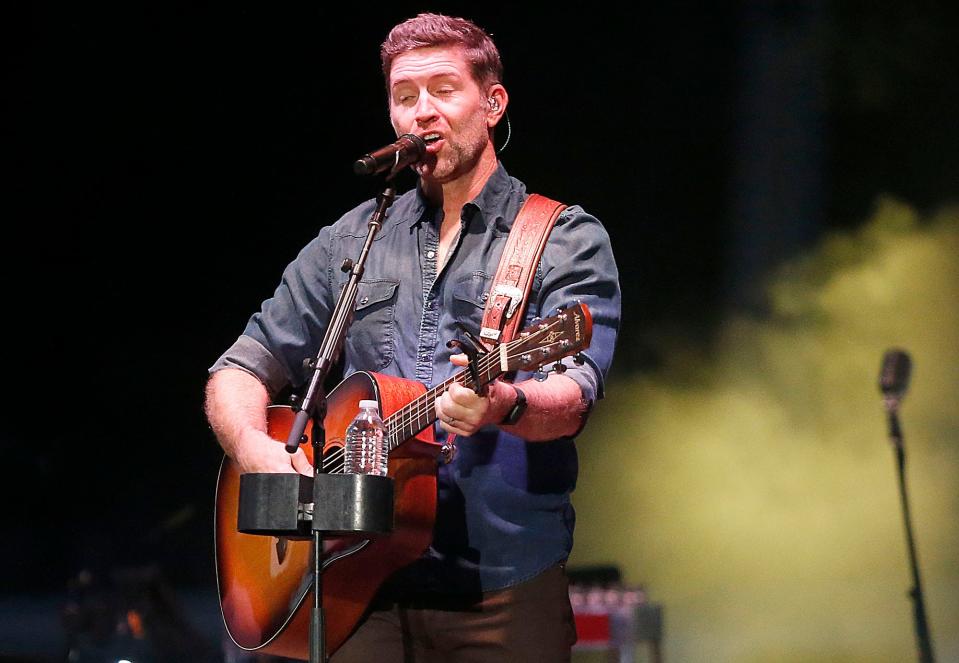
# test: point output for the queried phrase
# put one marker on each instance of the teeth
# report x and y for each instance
(431, 138)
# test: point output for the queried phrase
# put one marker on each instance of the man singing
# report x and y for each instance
(491, 586)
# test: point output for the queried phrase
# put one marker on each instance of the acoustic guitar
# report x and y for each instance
(265, 583)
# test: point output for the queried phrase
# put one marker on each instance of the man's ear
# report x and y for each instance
(496, 102)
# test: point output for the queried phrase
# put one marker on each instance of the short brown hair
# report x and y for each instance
(426, 30)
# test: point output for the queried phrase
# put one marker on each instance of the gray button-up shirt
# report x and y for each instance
(504, 512)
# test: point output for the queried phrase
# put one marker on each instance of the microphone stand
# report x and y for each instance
(919, 610)
(313, 404)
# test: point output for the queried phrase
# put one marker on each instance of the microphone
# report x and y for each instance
(893, 381)
(894, 376)
(407, 150)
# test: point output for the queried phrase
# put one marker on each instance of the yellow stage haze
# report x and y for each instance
(751, 487)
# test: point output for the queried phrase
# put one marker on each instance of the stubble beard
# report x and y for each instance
(457, 159)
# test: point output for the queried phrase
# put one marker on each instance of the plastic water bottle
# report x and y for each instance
(366, 441)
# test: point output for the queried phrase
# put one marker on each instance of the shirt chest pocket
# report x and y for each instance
(370, 343)
(469, 300)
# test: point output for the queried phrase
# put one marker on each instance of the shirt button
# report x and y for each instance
(430, 254)
(484, 296)
(364, 300)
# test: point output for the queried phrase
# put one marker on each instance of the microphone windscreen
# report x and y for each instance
(894, 373)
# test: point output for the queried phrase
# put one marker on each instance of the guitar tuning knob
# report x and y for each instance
(579, 359)
(540, 375)
(559, 367)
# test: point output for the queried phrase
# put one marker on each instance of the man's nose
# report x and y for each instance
(425, 111)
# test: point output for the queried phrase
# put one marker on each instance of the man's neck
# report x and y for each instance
(456, 193)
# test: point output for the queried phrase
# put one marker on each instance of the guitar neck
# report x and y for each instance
(549, 340)
(421, 412)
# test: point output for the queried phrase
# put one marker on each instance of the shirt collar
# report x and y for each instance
(491, 200)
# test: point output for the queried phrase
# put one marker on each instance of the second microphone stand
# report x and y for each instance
(923, 639)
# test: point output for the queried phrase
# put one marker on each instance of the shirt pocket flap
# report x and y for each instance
(370, 293)
(473, 289)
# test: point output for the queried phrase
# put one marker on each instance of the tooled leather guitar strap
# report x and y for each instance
(506, 305)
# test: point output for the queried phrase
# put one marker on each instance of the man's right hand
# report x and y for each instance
(236, 403)
(258, 452)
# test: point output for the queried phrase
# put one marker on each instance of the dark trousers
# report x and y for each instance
(531, 622)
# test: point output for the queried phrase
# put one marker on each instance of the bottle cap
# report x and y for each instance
(370, 403)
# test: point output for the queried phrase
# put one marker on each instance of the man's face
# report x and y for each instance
(433, 94)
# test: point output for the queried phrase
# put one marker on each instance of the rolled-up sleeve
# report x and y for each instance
(578, 266)
(247, 354)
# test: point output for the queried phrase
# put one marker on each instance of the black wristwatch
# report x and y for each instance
(515, 412)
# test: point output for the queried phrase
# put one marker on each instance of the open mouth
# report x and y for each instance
(431, 139)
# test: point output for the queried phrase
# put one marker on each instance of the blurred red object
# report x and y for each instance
(592, 629)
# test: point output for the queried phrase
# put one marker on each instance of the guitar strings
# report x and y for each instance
(424, 407)
(414, 417)
(415, 411)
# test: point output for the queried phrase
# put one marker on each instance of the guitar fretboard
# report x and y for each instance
(421, 412)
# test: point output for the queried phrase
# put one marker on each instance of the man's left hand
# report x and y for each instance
(462, 411)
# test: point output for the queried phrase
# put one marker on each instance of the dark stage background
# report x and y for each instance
(165, 160)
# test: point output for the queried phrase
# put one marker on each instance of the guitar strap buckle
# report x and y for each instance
(514, 294)
(504, 300)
